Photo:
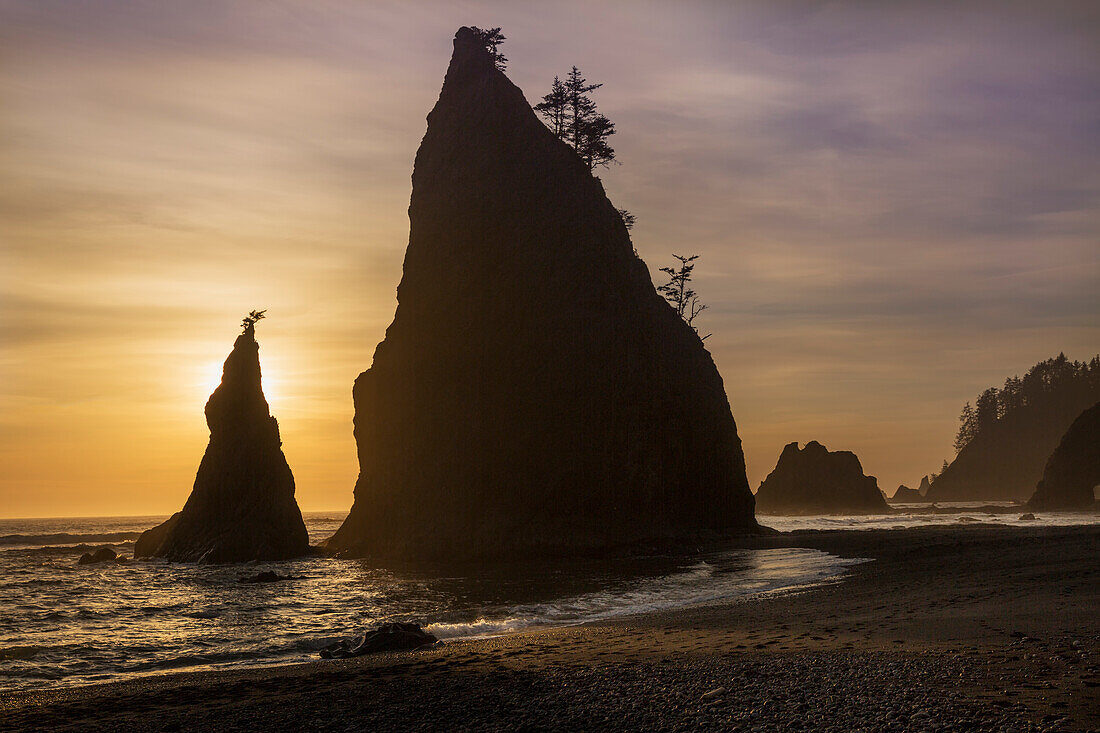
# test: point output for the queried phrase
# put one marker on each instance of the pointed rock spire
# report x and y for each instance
(534, 392)
(242, 506)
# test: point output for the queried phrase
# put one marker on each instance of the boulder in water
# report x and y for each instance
(386, 638)
(1072, 472)
(814, 480)
(534, 393)
(242, 505)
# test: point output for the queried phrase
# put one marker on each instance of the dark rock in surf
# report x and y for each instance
(533, 393)
(386, 638)
(1072, 472)
(813, 480)
(103, 554)
(242, 505)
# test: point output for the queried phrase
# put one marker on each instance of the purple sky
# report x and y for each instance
(896, 205)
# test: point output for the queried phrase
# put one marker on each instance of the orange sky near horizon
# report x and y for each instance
(889, 220)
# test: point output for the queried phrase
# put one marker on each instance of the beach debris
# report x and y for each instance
(103, 554)
(267, 576)
(713, 693)
(389, 637)
(1029, 517)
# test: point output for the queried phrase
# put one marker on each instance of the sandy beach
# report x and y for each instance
(956, 628)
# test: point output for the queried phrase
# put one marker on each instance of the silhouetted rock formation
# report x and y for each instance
(534, 392)
(151, 539)
(905, 494)
(1073, 471)
(242, 505)
(925, 487)
(1014, 431)
(814, 480)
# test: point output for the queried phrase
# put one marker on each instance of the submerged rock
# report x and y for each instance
(813, 480)
(103, 554)
(386, 638)
(242, 506)
(1072, 472)
(534, 392)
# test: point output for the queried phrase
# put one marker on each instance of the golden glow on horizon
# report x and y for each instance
(871, 256)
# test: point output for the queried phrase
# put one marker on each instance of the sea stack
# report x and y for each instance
(534, 393)
(242, 506)
(1073, 471)
(905, 494)
(813, 480)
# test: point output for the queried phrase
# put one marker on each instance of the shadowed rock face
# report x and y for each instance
(814, 480)
(1073, 470)
(242, 506)
(533, 392)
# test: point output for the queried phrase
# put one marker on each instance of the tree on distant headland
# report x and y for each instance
(571, 114)
(492, 38)
(678, 292)
(250, 320)
(1047, 386)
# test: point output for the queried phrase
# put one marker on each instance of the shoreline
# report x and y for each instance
(1015, 623)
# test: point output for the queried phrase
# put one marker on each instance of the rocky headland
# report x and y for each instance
(1073, 471)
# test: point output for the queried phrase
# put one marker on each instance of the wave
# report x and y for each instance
(66, 538)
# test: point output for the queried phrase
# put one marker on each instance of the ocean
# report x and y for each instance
(66, 624)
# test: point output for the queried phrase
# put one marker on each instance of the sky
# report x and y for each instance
(895, 205)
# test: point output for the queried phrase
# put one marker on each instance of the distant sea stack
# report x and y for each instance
(534, 393)
(905, 494)
(813, 480)
(1073, 471)
(242, 506)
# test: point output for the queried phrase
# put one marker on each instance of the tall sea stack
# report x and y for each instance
(242, 506)
(533, 393)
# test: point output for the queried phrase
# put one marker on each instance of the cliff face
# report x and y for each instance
(533, 392)
(814, 480)
(1073, 470)
(242, 506)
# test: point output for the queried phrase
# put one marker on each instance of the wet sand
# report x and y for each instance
(947, 628)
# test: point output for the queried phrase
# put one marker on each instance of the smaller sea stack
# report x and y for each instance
(1073, 471)
(814, 480)
(242, 506)
(905, 494)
